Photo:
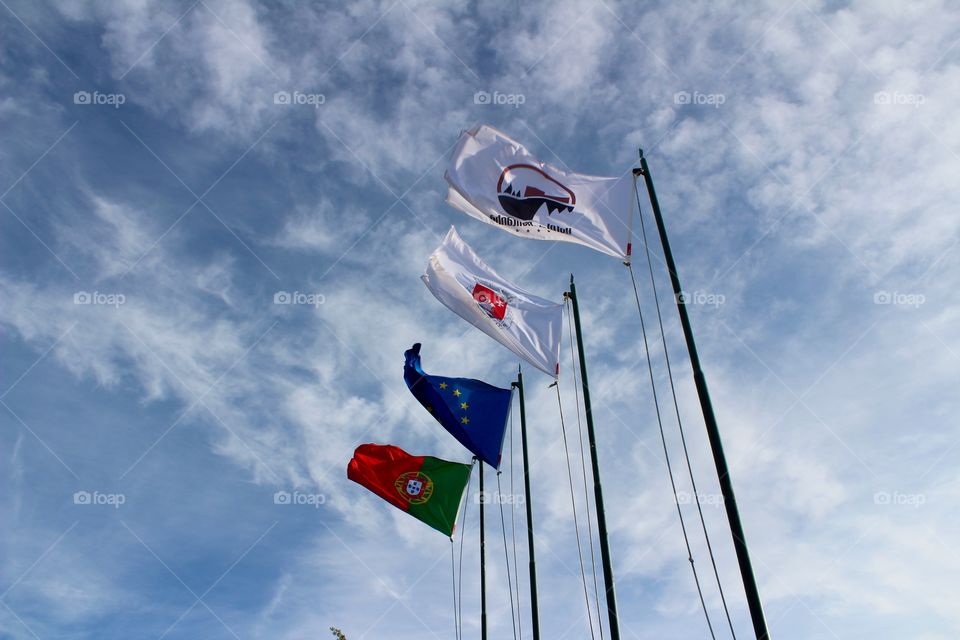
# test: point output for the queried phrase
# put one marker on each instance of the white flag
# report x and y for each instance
(526, 324)
(495, 179)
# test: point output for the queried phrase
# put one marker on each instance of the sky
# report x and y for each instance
(173, 438)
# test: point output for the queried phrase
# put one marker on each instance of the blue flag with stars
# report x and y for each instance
(474, 412)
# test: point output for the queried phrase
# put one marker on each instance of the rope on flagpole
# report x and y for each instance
(453, 589)
(583, 467)
(463, 533)
(573, 503)
(666, 455)
(506, 557)
(513, 533)
(676, 407)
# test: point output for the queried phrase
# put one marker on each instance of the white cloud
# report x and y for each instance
(325, 228)
(208, 64)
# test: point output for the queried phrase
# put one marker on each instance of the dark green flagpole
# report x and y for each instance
(483, 564)
(713, 432)
(535, 614)
(597, 491)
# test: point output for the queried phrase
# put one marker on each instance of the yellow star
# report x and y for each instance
(456, 392)
(443, 385)
(465, 420)
(464, 405)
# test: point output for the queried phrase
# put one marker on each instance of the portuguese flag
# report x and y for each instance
(429, 489)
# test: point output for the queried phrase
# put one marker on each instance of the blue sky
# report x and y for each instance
(156, 196)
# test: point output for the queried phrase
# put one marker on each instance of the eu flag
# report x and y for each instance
(474, 412)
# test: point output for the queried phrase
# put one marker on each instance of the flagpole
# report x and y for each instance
(483, 564)
(710, 420)
(534, 610)
(597, 491)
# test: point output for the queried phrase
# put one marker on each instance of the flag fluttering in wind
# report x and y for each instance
(526, 324)
(429, 489)
(472, 411)
(495, 179)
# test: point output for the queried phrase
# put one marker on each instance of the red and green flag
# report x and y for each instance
(428, 488)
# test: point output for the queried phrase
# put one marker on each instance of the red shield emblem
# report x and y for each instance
(492, 303)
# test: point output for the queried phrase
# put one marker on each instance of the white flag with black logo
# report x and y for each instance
(495, 179)
(526, 324)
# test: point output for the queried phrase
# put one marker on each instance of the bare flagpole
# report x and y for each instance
(610, 595)
(534, 610)
(483, 563)
(710, 420)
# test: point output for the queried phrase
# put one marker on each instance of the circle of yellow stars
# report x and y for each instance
(463, 405)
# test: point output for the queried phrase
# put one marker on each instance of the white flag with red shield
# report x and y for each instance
(495, 179)
(526, 324)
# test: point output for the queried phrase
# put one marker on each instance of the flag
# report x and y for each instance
(472, 411)
(495, 179)
(429, 489)
(528, 325)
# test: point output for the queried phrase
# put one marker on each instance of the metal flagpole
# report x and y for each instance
(535, 614)
(598, 492)
(483, 564)
(713, 432)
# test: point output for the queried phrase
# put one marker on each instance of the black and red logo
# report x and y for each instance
(523, 189)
